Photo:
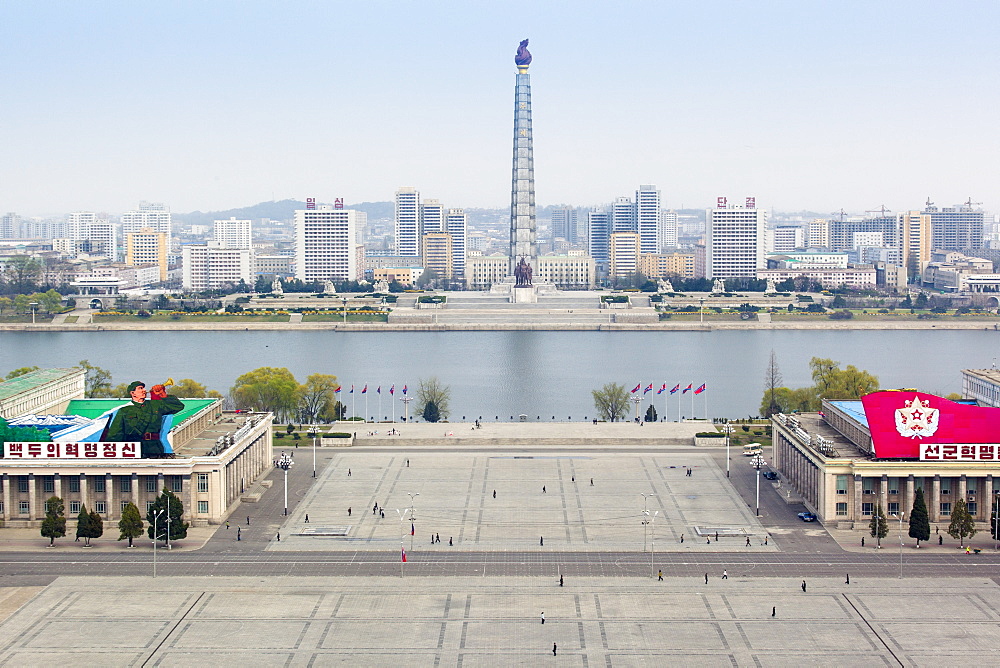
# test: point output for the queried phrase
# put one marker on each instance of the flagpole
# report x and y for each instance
(705, 392)
(666, 413)
(354, 404)
(365, 392)
(692, 404)
(379, 400)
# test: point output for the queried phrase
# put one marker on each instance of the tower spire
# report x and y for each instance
(522, 196)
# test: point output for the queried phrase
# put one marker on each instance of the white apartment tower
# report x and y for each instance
(818, 234)
(647, 218)
(210, 267)
(624, 251)
(151, 215)
(10, 226)
(623, 215)
(734, 240)
(407, 218)
(668, 230)
(98, 234)
(326, 245)
(233, 233)
(431, 216)
(457, 225)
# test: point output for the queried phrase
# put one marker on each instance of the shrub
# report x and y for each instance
(841, 315)
(336, 434)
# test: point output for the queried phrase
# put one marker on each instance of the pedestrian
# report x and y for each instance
(968, 550)
(541, 540)
(725, 574)
(494, 494)
(239, 531)
(862, 541)
(438, 538)
(543, 618)
(407, 463)
(774, 610)
(708, 541)
(382, 512)
(227, 525)
(706, 578)
(572, 479)
(848, 581)
(803, 586)
(432, 539)
(682, 538)
(553, 649)
(543, 489)
(716, 536)
(348, 473)
(449, 541)
(248, 520)
(560, 580)
(940, 540)
(748, 541)
(660, 578)
(765, 540)
(348, 511)
(591, 482)
(279, 536)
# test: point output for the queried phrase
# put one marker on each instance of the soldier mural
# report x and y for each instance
(142, 420)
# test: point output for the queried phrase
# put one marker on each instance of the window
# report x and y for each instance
(22, 484)
(946, 485)
(866, 485)
(151, 484)
(842, 509)
(867, 508)
(176, 484)
(23, 507)
(203, 482)
(124, 505)
(894, 485)
(946, 508)
(973, 508)
(893, 507)
(842, 485)
(1, 507)
(74, 484)
(203, 507)
(149, 505)
(99, 484)
(101, 507)
(126, 484)
(74, 507)
(49, 484)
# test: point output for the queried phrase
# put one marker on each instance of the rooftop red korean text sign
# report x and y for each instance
(904, 424)
(58, 450)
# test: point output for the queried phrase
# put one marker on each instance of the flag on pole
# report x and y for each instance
(660, 391)
(339, 388)
(686, 389)
(352, 390)
(403, 550)
(364, 390)
(404, 389)
(700, 389)
(392, 390)
(413, 529)
(378, 390)
(675, 388)
(636, 388)
(648, 388)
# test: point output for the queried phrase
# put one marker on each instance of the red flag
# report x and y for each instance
(337, 391)
(636, 388)
(403, 550)
(660, 391)
(392, 390)
(700, 389)
(404, 389)
(688, 388)
(364, 389)
(649, 388)
(675, 388)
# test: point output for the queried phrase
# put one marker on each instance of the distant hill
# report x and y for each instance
(283, 210)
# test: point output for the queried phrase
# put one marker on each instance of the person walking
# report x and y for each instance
(682, 538)
(803, 586)
(248, 520)
(748, 541)
(706, 578)
(438, 536)
(449, 541)
(543, 489)
(239, 530)
(765, 540)
(348, 473)
(543, 618)
(348, 511)
(279, 536)
(725, 574)
(382, 512)
(553, 649)
(591, 482)
(227, 525)
(541, 540)
(494, 494)
(774, 610)
(307, 518)
(660, 578)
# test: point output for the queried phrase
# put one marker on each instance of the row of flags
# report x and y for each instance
(364, 390)
(649, 388)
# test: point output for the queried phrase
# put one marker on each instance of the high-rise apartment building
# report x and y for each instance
(818, 234)
(624, 253)
(149, 215)
(431, 216)
(915, 234)
(93, 233)
(407, 219)
(233, 233)
(668, 230)
(10, 226)
(457, 225)
(647, 218)
(623, 215)
(785, 238)
(438, 254)
(211, 266)
(564, 224)
(326, 246)
(734, 240)
(957, 227)
(842, 231)
(599, 240)
(147, 246)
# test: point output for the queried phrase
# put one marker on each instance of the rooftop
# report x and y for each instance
(33, 379)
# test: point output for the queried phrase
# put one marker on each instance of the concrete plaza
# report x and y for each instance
(116, 621)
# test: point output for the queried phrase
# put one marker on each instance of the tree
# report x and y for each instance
(920, 526)
(839, 302)
(166, 501)
(20, 372)
(267, 389)
(6, 304)
(318, 394)
(962, 524)
(611, 401)
(651, 414)
(432, 390)
(98, 380)
(130, 525)
(191, 389)
(879, 526)
(86, 528)
(96, 525)
(428, 277)
(921, 301)
(22, 273)
(431, 412)
(772, 381)
(54, 524)
(994, 520)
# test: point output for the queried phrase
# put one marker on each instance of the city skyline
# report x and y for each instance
(804, 108)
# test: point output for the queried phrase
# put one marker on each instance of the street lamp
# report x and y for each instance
(652, 540)
(726, 428)
(413, 517)
(313, 434)
(285, 463)
(645, 517)
(155, 517)
(33, 306)
(636, 399)
(402, 516)
(757, 462)
(344, 300)
(701, 309)
(900, 517)
(406, 407)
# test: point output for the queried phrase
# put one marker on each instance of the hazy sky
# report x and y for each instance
(212, 105)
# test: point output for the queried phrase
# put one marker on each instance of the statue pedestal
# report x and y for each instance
(524, 294)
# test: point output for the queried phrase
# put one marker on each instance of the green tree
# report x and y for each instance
(427, 278)
(20, 372)
(98, 380)
(166, 501)
(995, 518)
(921, 301)
(879, 526)
(96, 525)
(22, 273)
(431, 412)
(6, 304)
(433, 390)
(130, 525)
(83, 528)
(651, 414)
(839, 302)
(962, 523)
(772, 381)
(54, 524)
(611, 401)
(267, 389)
(317, 395)
(186, 388)
(920, 526)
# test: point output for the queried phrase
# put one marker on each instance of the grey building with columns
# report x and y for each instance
(827, 458)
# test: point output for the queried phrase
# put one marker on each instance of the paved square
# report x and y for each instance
(543, 502)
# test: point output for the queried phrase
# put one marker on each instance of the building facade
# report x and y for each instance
(734, 241)
(208, 267)
(147, 246)
(233, 233)
(406, 217)
(326, 246)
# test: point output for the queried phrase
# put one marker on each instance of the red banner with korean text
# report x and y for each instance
(59, 450)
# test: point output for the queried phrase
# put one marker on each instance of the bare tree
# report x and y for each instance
(772, 381)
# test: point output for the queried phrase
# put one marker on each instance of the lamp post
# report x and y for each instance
(344, 300)
(406, 407)
(757, 462)
(636, 399)
(167, 519)
(645, 517)
(285, 463)
(996, 520)
(652, 540)
(725, 428)
(701, 309)
(413, 517)
(155, 517)
(402, 516)
(313, 434)
(900, 518)
(33, 305)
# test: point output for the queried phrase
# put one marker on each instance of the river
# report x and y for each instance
(501, 374)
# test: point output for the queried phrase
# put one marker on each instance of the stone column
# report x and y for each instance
(193, 495)
(57, 486)
(32, 501)
(84, 499)
(910, 492)
(136, 492)
(963, 489)
(109, 495)
(856, 515)
(159, 483)
(883, 492)
(935, 510)
(7, 512)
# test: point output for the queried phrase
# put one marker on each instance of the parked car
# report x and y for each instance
(770, 475)
(807, 517)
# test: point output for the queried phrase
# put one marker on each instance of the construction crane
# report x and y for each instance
(881, 210)
(971, 204)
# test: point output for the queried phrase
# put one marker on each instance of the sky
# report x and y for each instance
(213, 105)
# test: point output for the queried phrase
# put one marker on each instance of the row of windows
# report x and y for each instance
(175, 482)
(23, 507)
